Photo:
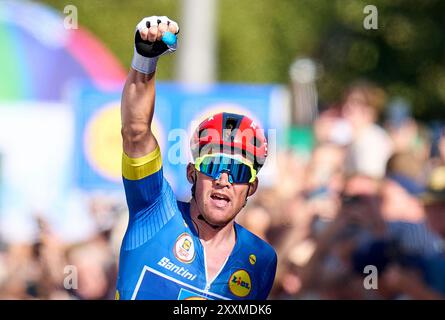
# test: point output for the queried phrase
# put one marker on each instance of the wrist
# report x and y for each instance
(143, 64)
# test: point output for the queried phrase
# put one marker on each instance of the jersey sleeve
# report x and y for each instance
(150, 199)
(143, 180)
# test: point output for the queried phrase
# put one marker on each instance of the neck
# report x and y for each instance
(209, 234)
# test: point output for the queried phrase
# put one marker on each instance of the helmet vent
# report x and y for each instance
(230, 125)
(203, 133)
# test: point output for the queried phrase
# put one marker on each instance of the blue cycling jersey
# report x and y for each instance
(161, 255)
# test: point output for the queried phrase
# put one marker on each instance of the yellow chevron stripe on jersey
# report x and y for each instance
(139, 168)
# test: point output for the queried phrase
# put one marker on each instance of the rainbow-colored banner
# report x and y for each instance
(40, 58)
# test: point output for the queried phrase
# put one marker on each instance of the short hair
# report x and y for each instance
(404, 163)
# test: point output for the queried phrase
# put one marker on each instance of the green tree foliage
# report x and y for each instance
(259, 39)
(405, 54)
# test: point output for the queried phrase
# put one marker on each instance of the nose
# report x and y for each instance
(223, 179)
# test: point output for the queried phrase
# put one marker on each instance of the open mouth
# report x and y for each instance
(219, 199)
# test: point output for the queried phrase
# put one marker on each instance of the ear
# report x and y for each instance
(191, 173)
(253, 187)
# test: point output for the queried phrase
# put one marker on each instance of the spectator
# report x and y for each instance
(402, 207)
(361, 107)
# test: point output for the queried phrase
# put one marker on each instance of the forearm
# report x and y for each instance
(137, 108)
(138, 97)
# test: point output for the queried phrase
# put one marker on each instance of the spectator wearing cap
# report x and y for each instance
(409, 262)
(407, 135)
(425, 279)
(402, 208)
(414, 276)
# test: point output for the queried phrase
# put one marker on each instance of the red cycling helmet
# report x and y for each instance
(232, 134)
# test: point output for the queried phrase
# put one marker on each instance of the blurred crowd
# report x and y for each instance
(372, 193)
(364, 216)
(48, 266)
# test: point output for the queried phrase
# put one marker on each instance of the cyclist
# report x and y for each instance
(195, 250)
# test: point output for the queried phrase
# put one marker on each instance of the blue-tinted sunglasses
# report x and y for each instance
(238, 170)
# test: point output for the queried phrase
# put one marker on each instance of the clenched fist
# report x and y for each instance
(149, 34)
(154, 37)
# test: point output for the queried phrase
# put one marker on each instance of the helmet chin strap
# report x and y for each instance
(247, 196)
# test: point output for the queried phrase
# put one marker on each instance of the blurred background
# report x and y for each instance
(352, 98)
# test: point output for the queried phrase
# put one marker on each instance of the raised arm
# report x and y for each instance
(138, 97)
(137, 110)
